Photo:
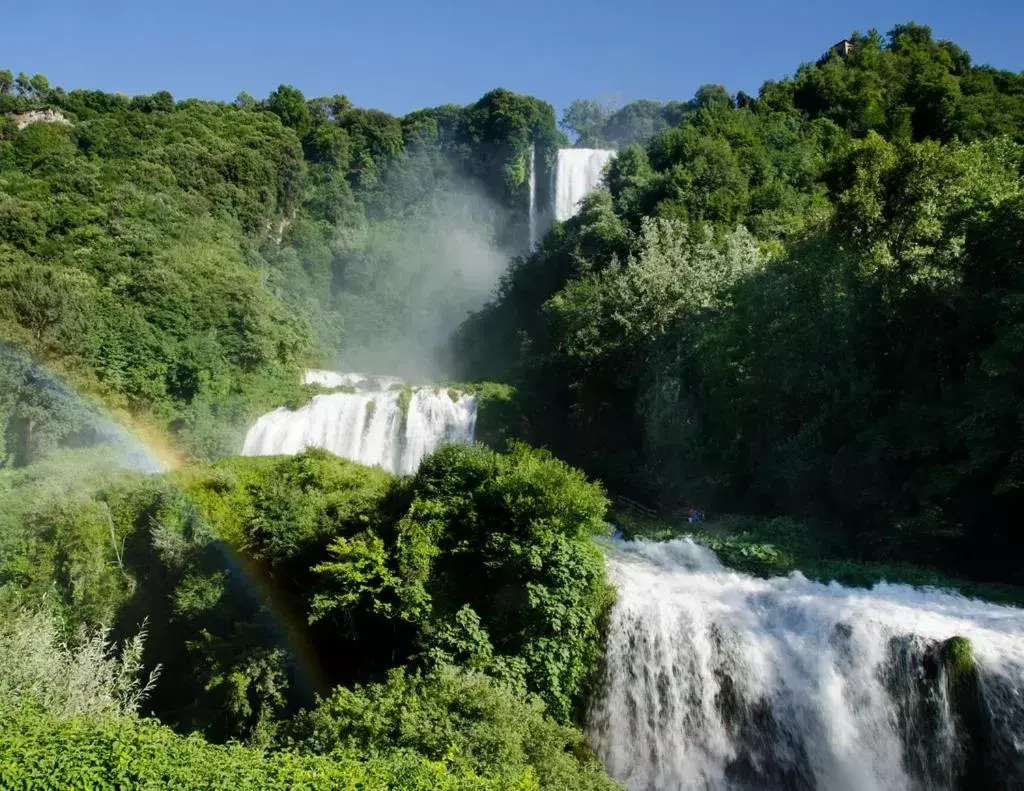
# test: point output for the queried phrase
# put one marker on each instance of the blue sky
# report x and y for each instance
(399, 55)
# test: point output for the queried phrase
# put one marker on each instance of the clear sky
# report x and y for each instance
(399, 55)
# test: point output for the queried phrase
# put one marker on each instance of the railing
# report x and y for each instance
(632, 505)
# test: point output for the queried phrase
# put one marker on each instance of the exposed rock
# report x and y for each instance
(46, 116)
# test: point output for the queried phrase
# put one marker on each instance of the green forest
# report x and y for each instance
(803, 304)
(802, 311)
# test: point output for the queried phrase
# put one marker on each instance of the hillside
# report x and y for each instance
(183, 260)
(806, 303)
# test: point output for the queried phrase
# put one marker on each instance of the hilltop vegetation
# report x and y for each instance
(183, 260)
(806, 303)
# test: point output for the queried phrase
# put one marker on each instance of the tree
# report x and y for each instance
(712, 96)
(6, 81)
(637, 122)
(340, 104)
(585, 118)
(23, 84)
(39, 85)
(289, 105)
(163, 101)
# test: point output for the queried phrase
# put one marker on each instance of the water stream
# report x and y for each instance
(719, 681)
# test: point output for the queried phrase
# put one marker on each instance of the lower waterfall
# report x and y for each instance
(380, 427)
(719, 681)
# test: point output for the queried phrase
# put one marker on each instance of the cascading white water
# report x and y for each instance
(369, 426)
(718, 681)
(578, 173)
(331, 378)
(533, 197)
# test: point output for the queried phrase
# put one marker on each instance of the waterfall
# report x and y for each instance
(372, 425)
(533, 196)
(578, 174)
(718, 681)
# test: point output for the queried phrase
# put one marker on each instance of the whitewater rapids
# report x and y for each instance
(719, 681)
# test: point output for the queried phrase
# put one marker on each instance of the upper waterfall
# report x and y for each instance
(381, 423)
(577, 174)
(718, 681)
(532, 210)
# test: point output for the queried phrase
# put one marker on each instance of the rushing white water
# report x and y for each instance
(578, 173)
(533, 197)
(369, 426)
(331, 378)
(718, 681)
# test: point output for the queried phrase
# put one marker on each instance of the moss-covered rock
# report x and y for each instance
(979, 769)
(404, 400)
(957, 655)
(309, 391)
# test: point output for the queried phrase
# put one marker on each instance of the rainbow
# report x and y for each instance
(143, 448)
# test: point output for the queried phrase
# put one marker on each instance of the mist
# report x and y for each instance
(413, 273)
(40, 415)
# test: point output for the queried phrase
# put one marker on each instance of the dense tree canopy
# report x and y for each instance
(465, 599)
(184, 260)
(797, 304)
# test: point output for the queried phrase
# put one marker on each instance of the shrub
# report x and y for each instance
(41, 752)
(40, 670)
(481, 725)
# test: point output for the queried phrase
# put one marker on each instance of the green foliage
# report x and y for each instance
(524, 520)
(762, 560)
(478, 725)
(499, 417)
(41, 671)
(309, 391)
(288, 104)
(597, 126)
(38, 751)
(907, 86)
(805, 303)
(404, 400)
(59, 540)
(135, 281)
(267, 579)
(197, 254)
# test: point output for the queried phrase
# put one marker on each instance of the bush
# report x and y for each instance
(39, 752)
(482, 726)
(523, 522)
(267, 579)
(39, 669)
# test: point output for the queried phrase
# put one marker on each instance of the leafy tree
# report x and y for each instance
(585, 118)
(288, 104)
(712, 96)
(245, 101)
(40, 86)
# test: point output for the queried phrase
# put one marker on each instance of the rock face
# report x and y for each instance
(35, 116)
